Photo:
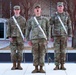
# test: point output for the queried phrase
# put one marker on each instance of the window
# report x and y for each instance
(1, 30)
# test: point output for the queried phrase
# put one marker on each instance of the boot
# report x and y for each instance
(57, 67)
(35, 70)
(14, 66)
(19, 66)
(41, 69)
(62, 67)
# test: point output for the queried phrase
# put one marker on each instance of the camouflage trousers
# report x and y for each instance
(39, 51)
(60, 44)
(17, 49)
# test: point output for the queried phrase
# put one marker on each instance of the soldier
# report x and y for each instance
(16, 40)
(61, 25)
(39, 38)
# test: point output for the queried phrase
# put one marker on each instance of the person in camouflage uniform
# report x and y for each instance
(16, 41)
(37, 39)
(60, 36)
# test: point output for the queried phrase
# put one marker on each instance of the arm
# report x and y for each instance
(24, 27)
(69, 26)
(28, 29)
(52, 26)
(48, 29)
(8, 29)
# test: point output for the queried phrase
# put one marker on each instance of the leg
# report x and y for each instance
(13, 55)
(13, 58)
(42, 52)
(56, 58)
(63, 54)
(57, 52)
(35, 55)
(19, 55)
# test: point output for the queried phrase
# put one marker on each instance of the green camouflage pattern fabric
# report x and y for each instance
(36, 33)
(38, 39)
(60, 3)
(17, 45)
(59, 35)
(57, 29)
(12, 29)
(39, 51)
(60, 44)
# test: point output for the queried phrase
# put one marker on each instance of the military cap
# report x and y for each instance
(16, 7)
(60, 3)
(37, 5)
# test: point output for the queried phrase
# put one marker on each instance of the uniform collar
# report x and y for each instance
(39, 17)
(60, 13)
(16, 16)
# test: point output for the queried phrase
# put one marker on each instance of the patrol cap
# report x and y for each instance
(37, 5)
(60, 3)
(16, 7)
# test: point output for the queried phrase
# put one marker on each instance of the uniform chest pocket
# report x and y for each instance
(63, 19)
(13, 27)
(34, 25)
(66, 19)
(56, 20)
(43, 24)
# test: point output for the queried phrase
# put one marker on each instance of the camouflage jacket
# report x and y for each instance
(35, 31)
(57, 28)
(12, 29)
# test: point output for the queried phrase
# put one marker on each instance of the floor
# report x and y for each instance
(5, 69)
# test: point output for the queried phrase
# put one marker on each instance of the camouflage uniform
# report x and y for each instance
(17, 45)
(60, 37)
(38, 39)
